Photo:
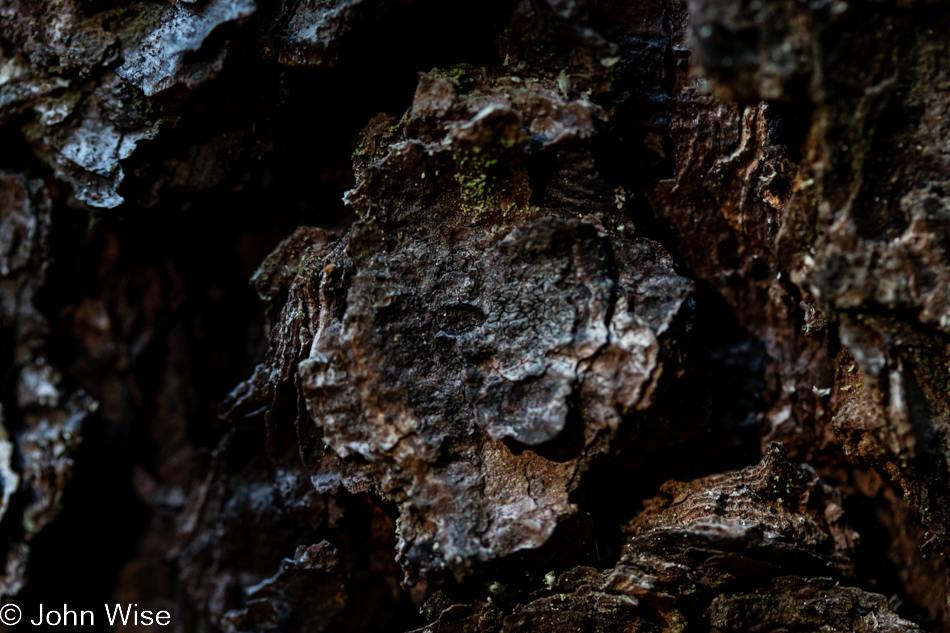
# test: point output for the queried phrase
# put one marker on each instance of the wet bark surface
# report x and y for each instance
(521, 315)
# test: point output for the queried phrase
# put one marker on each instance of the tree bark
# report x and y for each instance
(563, 315)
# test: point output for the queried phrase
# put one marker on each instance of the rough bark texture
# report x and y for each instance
(570, 315)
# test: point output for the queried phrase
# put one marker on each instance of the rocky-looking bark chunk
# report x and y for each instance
(792, 604)
(41, 424)
(689, 560)
(479, 362)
